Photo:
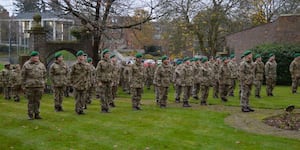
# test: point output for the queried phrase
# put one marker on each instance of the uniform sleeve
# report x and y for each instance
(267, 67)
(23, 74)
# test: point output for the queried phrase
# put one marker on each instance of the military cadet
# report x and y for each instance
(115, 79)
(215, 68)
(91, 80)
(122, 82)
(196, 86)
(246, 79)
(295, 72)
(79, 80)
(126, 74)
(33, 80)
(205, 80)
(271, 74)
(58, 73)
(224, 79)
(162, 74)
(178, 80)
(258, 74)
(6, 81)
(16, 79)
(188, 76)
(104, 71)
(149, 74)
(234, 73)
(137, 81)
(156, 88)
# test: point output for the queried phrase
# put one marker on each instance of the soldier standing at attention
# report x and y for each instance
(205, 79)
(91, 81)
(224, 79)
(163, 73)
(137, 81)
(259, 67)
(16, 82)
(104, 71)
(33, 80)
(215, 68)
(188, 77)
(149, 75)
(246, 77)
(271, 74)
(6, 81)
(234, 73)
(196, 87)
(295, 72)
(178, 80)
(126, 73)
(58, 75)
(115, 79)
(78, 78)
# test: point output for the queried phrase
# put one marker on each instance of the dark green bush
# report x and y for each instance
(284, 56)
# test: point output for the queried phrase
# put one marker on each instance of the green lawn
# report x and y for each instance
(152, 128)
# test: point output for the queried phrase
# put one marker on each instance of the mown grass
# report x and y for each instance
(152, 128)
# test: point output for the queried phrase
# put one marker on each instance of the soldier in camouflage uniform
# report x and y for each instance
(178, 80)
(258, 74)
(6, 81)
(126, 74)
(196, 86)
(205, 80)
(104, 71)
(271, 74)
(137, 81)
(215, 68)
(162, 74)
(156, 88)
(91, 80)
(188, 76)
(122, 80)
(234, 73)
(16, 79)
(33, 80)
(79, 80)
(246, 77)
(149, 75)
(224, 79)
(115, 79)
(295, 72)
(58, 75)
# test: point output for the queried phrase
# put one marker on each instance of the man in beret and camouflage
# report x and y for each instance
(115, 79)
(259, 68)
(246, 79)
(196, 86)
(149, 74)
(178, 80)
(137, 78)
(224, 79)
(215, 69)
(79, 80)
(163, 73)
(188, 76)
(104, 71)
(6, 81)
(234, 74)
(91, 81)
(16, 79)
(205, 79)
(295, 72)
(271, 74)
(58, 73)
(33, 80)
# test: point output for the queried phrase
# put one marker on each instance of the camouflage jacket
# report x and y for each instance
(270, 69)
(6, 77)
(178, 75)
(16, 77)
(116, 74)
(197, 68)
(150, 72)
(259, 71)
(33, 74)
(233, 67)
(162, 74)
(246, 73)
(205, 75)
(127, 72)
(79, 76)
(295, 68)
(58, 73)
(104, 71)
(92, 75)
(137, 77)
(224, 74)
(188, 75)
(215, 69)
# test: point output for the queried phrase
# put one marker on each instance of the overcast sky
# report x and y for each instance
(8, 4)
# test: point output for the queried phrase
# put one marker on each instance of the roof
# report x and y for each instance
(44, 15)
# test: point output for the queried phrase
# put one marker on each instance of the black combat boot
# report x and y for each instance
(245, 109)
(196, 97)
(37, 116)
(177, 100)
(186, 104)
(17, 99)
(203, 103)
(112, 104)
(250, 109)
(30, 117)
(224, 99)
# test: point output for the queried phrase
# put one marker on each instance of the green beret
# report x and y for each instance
(224, 58)
(138, 55)
(257, 56)
(296, 55)
(79, 53)
(34, 53)
(178, 62)
(270, 55)
(57, 54)
(232, 56)
(105, 51)
(204, 59)
(247, 52)
(196, 59)
(192, 59)
(186, 59)
(164, 57)
(112, 55)
(89, 59)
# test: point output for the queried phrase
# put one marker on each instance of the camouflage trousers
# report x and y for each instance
(136, 97)
(163, 95)
(232, 87)
(196, 89)
(7, 92)
(105, 96)
(187, 90)
(156, 88)
(149, 82)
(245, 94)
(113, 96)
(295, 84)
(34, 95)
(204, 93)
(257, 84)
(80, 97)
(15, 92)
(216, 89)
(270, 84)
(58, 96)
(178, 90)
(126, 86)
(224, 88)
(90, 93)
